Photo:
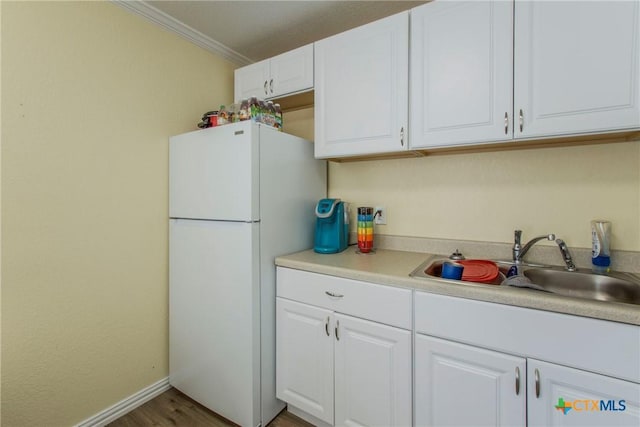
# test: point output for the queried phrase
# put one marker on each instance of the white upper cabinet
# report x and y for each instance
(576, 67)
(461, 73)
(252, 80)
(557, 69)
(361, 89)
(292, 72)
(284, 74)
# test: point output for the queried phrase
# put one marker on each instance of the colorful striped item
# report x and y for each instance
(365, 229)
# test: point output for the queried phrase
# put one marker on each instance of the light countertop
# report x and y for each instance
(391, 267)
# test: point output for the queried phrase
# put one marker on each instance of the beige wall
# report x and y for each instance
(485, 196)
(299, 122)
(90, 95)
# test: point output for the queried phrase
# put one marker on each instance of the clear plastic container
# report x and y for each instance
(223, 116)
(600, 246)
(279, 122)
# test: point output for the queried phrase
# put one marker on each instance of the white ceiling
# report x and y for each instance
(255, 30)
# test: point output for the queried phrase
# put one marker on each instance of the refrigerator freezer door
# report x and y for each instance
(214, 314)
(214, 174)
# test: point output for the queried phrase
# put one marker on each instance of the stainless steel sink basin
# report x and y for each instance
(434, 269)
(616, 287)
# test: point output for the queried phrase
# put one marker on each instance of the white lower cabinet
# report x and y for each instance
(304, 358)
(344, 358)
(341, 369)
(372, 373)
(461, 385)
(562, 396)
(485, 368)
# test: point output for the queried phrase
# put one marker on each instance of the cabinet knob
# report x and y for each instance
(266, 92)
(536, 374)
(271, 85)
(517, 380)
(402, 136)
(506, 123)
(326, 327)
(336, 330)
(521, 117)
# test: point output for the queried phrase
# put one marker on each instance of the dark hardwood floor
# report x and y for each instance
(172, 408)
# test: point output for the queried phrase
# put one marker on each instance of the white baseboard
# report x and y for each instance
(127, 405)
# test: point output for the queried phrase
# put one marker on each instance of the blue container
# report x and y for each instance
(451, 270)
(332, 226)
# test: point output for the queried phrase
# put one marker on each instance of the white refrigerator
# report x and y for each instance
(239, 195)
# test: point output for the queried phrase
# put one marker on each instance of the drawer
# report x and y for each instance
(595, 345)
(379, 303)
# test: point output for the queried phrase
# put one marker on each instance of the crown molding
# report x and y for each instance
(168, 22)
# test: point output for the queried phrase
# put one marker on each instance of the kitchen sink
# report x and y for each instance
(618, 287)
(434, 269)
(615, 286)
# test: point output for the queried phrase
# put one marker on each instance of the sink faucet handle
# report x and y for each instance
(566, 255)
(517, 236)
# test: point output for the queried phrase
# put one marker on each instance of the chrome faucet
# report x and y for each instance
(566, 255)
(519, 251)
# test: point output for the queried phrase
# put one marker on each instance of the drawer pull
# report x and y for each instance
(331, 294)
(517, 380)
(326, 327)
(337, 326)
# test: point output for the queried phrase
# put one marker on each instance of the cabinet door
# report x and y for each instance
(561, 396)
(304, 358)
(291, 72)
(461, 78)
(372, 374)
(361, 89)
(252, 80)
(461, 385)
(576, 67)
